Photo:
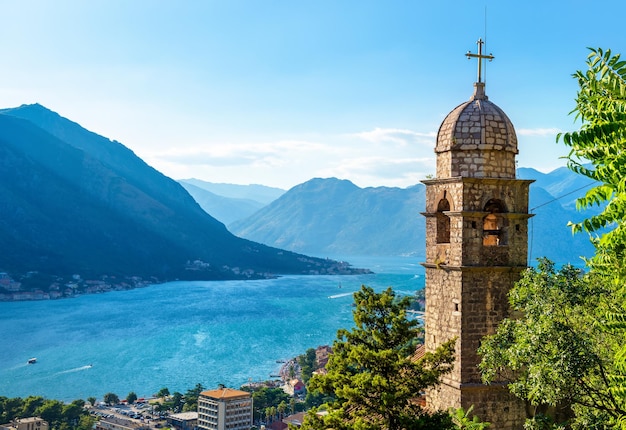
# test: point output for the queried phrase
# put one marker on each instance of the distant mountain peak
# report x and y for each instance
(335, 217)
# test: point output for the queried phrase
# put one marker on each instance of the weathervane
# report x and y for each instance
(480, 57)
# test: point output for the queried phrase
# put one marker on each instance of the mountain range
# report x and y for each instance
(229, 202)
(332, 217)
(74, 202)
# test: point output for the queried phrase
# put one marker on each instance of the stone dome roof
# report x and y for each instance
(477, 125)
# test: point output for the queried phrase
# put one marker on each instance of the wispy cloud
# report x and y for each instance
(396, 135)
(382, 170)
(538, 131)
(365, 162)
(230, 154)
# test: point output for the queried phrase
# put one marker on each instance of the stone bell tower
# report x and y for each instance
(476, 248)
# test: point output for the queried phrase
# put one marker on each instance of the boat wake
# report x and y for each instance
(19, 366)
(77, 369)
(336, 296)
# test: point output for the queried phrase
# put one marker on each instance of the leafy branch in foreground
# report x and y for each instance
(601, 143)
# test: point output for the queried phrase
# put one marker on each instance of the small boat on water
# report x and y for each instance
(32, 360)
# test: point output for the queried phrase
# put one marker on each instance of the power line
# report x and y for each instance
(564, 195)
(532, 223)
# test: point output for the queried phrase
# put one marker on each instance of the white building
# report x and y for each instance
(32, 423)
(183, 420)
(225, 409)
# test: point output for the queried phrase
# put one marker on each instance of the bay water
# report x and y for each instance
(179, 334)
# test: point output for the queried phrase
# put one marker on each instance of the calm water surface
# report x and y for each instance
(179, 334)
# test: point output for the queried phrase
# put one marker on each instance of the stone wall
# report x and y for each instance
(493, 404)
(468, 199)
(477, 164)
(467, 304)
(467, 283)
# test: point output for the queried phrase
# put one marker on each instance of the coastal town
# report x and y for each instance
(212, 408)
(35, 286)
(12, 290)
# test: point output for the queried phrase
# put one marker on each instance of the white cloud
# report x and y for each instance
(236, 154)
(380, 170)
(396, 135)
(538, 131)
(287, 162)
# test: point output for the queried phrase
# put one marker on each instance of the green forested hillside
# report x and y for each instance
(74, 202)
(335, 217)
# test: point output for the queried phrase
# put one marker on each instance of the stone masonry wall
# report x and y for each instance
(476, 164)
(467, 199)
(466, 304)
(467, 284)
(494, 404)
(443, 318)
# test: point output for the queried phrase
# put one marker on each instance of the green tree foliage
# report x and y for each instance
(163, 392)
(464, 420)
(73, 411)
(131, 398)
(268, 414)
(11, 408)
(292, 405)
(552, 353)
(176, 403)
(86, 422)
(30, 405)
(281, 408)
(191, 398)
(266, 397)
(92, 400)
(52, 412)
(316, 399)
(60, 416)
(111, 399)
(601, 106)
(545, 422)
(371, 373)
(308, 364)
(600, 143)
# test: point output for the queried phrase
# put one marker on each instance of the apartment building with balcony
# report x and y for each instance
(224, 409)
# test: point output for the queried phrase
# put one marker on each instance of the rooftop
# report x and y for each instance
(225, 393)
(185, 416)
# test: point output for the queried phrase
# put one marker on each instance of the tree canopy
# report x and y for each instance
(308, 364)
(131, 398)
(598, 148)
(163, 392)
(565, 350)
(552, 352)
(266, 397)
(601, 143)
(371, 374)
(58, 414)
(111, 399)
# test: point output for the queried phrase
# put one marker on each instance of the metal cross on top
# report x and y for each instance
(480, 57)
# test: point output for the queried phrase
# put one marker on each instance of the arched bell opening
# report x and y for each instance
(494, 224)
(443, 221)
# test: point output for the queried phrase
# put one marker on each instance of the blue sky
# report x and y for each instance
(277, 92)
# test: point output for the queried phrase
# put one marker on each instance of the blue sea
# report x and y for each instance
(179, 334)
